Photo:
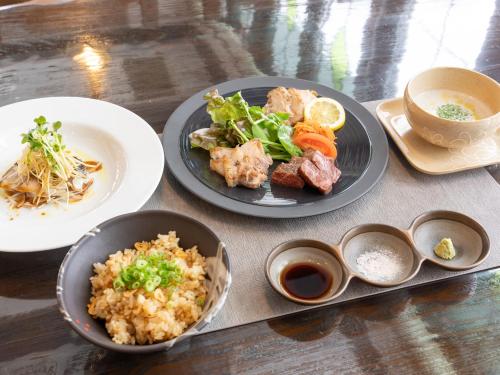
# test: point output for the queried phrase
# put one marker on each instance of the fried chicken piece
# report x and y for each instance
(291, 101)
(217, 155)
(246, 165)
(279, 100)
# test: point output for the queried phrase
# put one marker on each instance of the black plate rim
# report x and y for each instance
(372, 174)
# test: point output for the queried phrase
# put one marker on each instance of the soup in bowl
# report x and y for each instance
(453, 107)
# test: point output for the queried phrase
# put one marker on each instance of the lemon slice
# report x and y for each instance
(326, 111)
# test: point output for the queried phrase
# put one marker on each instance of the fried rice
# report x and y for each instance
(140, 317)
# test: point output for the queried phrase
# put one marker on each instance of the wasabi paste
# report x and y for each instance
(445, 249)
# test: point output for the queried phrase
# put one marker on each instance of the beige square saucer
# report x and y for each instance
(430, 159)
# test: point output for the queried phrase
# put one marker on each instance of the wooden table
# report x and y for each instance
(149, 56)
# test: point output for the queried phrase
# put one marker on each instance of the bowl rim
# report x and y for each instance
(139, 348)
(407, 96)
(320, 245)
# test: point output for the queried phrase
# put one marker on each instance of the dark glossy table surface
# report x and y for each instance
(149, 56)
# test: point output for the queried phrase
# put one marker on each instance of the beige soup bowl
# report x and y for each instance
(452, 133)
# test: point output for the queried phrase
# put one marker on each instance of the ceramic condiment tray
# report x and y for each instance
(412, 246)
(428, 158)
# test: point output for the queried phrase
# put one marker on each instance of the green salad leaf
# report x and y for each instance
(223, 110)
(203, 138)
(285, 137)
(236, 122)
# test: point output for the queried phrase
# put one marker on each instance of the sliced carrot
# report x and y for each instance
(313, 127)
(316, 142)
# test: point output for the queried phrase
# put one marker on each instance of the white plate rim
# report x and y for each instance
(129, 129)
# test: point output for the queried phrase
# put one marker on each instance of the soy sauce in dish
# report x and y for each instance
(306, 280)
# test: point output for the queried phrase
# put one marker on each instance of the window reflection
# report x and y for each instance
(443, 33)
(384, 38)
(93, 60)
(320, 41)
(487, 53)
(368, 49)
(344, 37)
(90, 58)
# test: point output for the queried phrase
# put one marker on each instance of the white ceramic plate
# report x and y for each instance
(129, 149)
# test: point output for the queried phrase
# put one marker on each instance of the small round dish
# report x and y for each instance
(468, 236)
(362, 245)
(306, 251)
(130, 152)
(74, 288)
(481, 91)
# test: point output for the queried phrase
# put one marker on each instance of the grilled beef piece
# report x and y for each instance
(324, 163)
(336, 173)
(287, 174)
(320, 179)
(320, 172)
(313, 168)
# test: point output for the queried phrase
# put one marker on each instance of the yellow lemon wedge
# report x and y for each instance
(326, 111)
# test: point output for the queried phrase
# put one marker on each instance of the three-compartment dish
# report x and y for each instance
(377, 254)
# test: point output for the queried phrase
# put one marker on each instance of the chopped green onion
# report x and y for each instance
(149, 285)
(118, 284)
(454, 112)
(149, 272)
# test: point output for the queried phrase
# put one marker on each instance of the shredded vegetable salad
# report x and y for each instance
(47, 170)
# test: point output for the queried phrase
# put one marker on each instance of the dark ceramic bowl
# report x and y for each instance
(73, 285)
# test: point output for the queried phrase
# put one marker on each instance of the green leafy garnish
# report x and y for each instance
(236, 122)
(149, 272)
(48, 141)
(285, 137)
(203, 138)
(454, 112)
(222, 110)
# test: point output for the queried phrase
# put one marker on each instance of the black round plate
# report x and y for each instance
(362, 155)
